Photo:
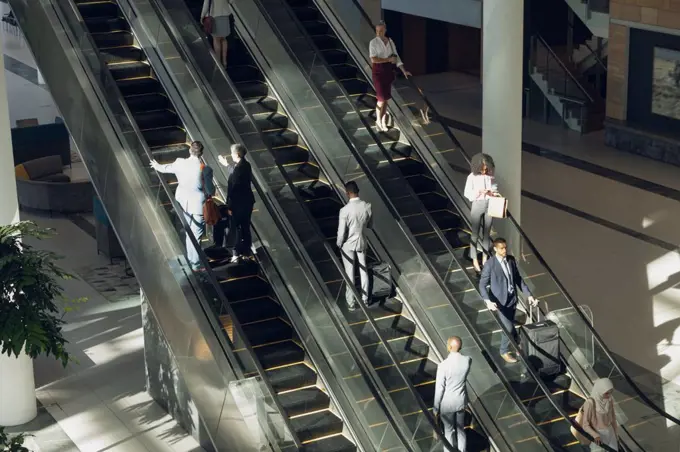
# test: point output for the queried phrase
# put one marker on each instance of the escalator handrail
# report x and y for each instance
(447, 245)
(540, 258)
(319, 236)
(238, 370)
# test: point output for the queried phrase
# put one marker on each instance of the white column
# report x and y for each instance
(9, 207)
(502, 68)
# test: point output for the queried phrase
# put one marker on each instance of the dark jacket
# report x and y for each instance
(493, 284)
(239, 190)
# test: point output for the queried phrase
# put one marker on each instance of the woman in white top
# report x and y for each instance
(599, 416)
(479, 187)
(219, 11)
(384, 57)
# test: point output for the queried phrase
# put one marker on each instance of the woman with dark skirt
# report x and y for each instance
(479, 187)
(384, 58)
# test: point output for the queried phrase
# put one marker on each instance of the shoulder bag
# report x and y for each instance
(209, 20)
(211, 213)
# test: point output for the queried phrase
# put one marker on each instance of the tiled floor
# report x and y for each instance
(99, 403)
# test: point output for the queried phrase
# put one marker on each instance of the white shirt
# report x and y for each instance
(218, 8)
(476, 186)
(378, 49)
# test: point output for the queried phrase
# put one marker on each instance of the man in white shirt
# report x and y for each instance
(354, 219)
(498, 287)
(450, 393)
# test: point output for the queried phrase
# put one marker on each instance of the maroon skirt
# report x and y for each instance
(383, 76)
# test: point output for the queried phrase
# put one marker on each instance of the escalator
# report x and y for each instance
(443, 233)
(254, 304)
(440, 219)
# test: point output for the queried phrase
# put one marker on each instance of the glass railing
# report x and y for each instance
(321, 316)
(185, 302)
(442, 152)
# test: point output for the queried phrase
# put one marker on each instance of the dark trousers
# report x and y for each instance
(220, 229)
(240, 222)
(506, 315)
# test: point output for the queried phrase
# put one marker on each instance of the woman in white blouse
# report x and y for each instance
(599, 416)
(215, 17)
(479, 187)
(384, 58)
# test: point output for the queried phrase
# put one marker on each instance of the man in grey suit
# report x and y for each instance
(450, 393)
(498, 285)
(194, 184)
(355, 218)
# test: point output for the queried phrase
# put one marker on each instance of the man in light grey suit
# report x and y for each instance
(450, 394)
(355, 218)
(194, 184)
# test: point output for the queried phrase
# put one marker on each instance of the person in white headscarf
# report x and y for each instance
(599, 417)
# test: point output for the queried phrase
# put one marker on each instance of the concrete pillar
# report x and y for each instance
(502, 72)
(9, 207)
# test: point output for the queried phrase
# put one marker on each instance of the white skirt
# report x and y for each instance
(608, 437)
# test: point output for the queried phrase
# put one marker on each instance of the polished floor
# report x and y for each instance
(605, 222)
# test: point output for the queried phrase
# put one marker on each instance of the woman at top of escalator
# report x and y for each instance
(599, 416)
(384, 59)
(216, 20)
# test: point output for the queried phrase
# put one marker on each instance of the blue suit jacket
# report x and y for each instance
(192, 183)
(493, 284)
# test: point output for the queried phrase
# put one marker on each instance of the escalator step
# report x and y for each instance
(337, 443)
(120, 38)
(252, 89)
(93, 8)
(122, 54)
(133, 87)
(244, 73)
(239, 289)
(164, 135)
(106, 24)
(258, 309)
(316, 425)
(167, 154)
(147, 102)
(267, 332)
(255, 106)
(307, 13)
(279, 354)
(130, 70)
(304, 401)
(390, 327)
(404, 350)
(290, 378)
(158, 118)
(335, 56)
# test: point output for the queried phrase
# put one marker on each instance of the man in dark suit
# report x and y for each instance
(498, 285)
(240, 200)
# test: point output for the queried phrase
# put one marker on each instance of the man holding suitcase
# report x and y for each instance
(498, 285)
(355, 217)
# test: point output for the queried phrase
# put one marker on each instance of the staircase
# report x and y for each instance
(585, 56)
(580, 105)
(593, 13)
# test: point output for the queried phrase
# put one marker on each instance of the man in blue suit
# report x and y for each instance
(498, 285)
(194, 184)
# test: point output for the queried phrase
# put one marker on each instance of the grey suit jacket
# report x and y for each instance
(493, 284)
(450, 393)
(354, 219)
(190, 179)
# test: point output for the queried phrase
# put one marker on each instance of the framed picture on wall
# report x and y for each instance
(666, 83)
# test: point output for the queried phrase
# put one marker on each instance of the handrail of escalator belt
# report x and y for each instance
(319, 236)
(447, 245)
(628, 379)
(202, 257)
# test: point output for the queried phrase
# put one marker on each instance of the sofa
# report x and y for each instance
(42, 185)
(29, 143)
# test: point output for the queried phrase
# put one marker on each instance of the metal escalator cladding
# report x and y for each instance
(257, 310)
(282, 356)
(444, 214)
(291, 152)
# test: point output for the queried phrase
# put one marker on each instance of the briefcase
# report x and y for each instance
(380, 283)
(497, 207)
(541, 344)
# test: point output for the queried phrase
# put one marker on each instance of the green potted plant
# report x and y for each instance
(31, 319)
(12, 443)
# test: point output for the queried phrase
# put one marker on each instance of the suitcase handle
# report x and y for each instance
(530, 312)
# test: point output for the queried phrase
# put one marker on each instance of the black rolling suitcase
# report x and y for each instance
(380, 281)
(541, 343)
